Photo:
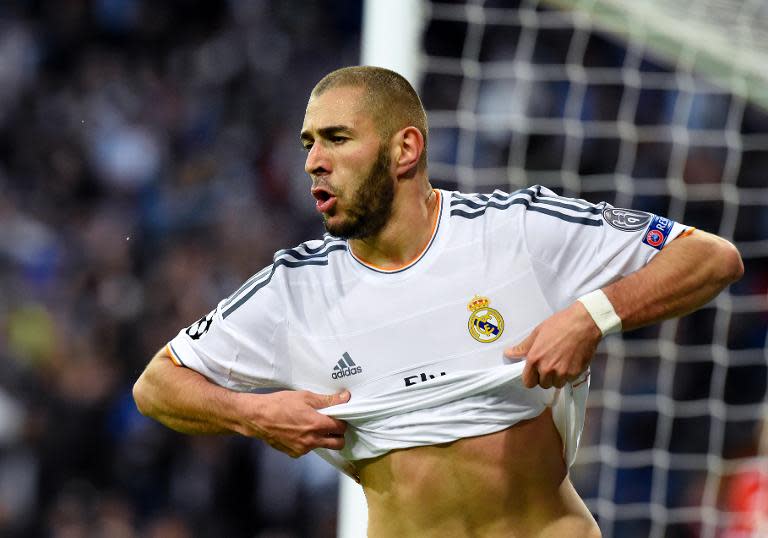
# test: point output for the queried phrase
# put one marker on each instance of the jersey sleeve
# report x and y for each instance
(577, 247)
(235, 345)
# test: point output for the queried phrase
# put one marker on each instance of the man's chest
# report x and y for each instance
(374, 336)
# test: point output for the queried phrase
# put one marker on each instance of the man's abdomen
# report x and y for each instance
(510, 483)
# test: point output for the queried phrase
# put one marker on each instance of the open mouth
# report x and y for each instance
(324, 199)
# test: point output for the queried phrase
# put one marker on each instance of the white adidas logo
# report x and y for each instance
(346, 366)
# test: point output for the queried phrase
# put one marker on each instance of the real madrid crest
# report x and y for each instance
(485, 323)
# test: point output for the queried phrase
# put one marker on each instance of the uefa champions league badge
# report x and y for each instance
(485, 323)
(201, 326)
(658, 232)
(626, 220)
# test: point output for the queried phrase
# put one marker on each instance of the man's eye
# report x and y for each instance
(306, 147)
(338, 139)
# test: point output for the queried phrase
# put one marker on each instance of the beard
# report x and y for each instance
(370, 207)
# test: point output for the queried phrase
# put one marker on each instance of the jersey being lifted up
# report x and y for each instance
(420, 348)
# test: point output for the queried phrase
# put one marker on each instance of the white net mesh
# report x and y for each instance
(520, 93)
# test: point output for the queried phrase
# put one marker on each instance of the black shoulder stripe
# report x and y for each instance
(493, 205)
(529, 205)
(237, 304)
(477, 205)
(568, 218)
(535, 198)
(308, 253)
(301, 261)
(296, 255)
(320, 260)
(579, 208)
(572, 204)
(260, 275)
(472, 202)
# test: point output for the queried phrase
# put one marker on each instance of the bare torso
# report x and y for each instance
(510, 484)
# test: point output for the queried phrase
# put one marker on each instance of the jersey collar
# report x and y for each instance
(414, 261)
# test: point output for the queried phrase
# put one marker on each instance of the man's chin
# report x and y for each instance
(335, 225)
(341, 232)
(343, 228)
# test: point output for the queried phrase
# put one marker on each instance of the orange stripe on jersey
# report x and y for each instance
(686, 233)
(174, 359)
(423, 250)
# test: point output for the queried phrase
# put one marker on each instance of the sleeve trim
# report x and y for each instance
(686, 233)
(173, 355)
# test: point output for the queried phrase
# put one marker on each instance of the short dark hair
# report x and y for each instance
(393, 102)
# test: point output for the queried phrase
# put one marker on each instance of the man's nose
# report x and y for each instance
(317, 161)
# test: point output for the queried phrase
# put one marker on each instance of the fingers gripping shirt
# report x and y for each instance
(421, 348)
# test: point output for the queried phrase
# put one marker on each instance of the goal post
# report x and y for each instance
(724, 40)
(391, 36)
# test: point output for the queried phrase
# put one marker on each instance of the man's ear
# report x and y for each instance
(409, 145)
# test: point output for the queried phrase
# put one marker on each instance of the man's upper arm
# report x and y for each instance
(703, 248)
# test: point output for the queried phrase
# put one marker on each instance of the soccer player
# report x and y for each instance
(435, 345)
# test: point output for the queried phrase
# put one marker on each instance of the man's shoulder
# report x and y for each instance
(307, 260)
(289, 266)
(308, 253)
(472, 205)
(536, 199)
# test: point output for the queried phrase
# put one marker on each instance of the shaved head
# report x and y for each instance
(387, 96)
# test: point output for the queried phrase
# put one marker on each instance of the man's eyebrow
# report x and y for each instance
(327, 132)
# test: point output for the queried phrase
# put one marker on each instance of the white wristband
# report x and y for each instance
(602, 312)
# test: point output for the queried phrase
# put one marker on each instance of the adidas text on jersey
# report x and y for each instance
(345, 367)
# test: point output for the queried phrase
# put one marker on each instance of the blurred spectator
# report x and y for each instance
(148, 165)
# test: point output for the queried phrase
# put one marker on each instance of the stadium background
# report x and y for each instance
(149, 163)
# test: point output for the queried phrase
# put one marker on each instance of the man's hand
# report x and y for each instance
(187, 402)
(289, 422)
(559, 349)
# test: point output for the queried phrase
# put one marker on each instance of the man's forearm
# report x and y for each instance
(184, 400)
(187, 402)
(687, 274)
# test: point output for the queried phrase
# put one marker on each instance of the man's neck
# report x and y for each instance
(407, 232)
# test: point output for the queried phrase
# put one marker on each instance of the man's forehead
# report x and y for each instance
(336, 106)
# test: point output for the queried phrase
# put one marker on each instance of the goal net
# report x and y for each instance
(656, 105)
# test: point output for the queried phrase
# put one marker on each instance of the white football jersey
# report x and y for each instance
(420, 348)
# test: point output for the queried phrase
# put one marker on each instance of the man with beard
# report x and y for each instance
(461, 325)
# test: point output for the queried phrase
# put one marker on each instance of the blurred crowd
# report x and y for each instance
(149, 163)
